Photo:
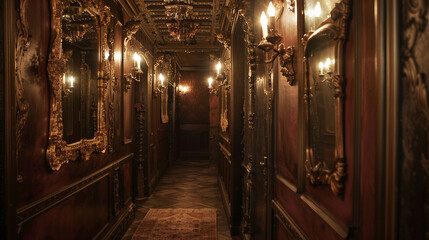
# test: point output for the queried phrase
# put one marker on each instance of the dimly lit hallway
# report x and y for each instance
(189, 183)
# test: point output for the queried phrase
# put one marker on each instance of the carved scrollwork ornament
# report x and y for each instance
(22, 106)
(58, 151)
(287, 63)
(317, 170)
(414, 159)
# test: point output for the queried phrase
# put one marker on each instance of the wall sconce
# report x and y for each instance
(221, 80)
(182, 89)
(212, 89)
(135, 72)
(220, 77)
(270, 42)
(161, 86)
(68, 85)
(326, 70)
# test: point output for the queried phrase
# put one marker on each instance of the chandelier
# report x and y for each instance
(181, 26)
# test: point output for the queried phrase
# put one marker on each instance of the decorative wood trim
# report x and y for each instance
(340, 230)
(224, 197)
(294, 231)
(38, 207)
(8, 108)
(225, 138)
(225, 152)
(286, 183)
(129, 7)
(414, 119)
(120, 227)
(357, 121)
(392, 57)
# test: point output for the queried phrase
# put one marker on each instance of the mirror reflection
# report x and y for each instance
(80, 43)
(316, 12)
(322, 67)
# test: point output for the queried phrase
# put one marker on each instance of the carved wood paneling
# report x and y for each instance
(34, 209)
(414, 201)
(286, 221)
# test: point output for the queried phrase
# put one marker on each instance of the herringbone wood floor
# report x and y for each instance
(189, 183)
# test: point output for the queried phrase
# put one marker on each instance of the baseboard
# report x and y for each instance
(121, 226)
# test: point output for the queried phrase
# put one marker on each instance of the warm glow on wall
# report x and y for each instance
(117, 56)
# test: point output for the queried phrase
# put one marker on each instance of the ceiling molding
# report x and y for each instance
(130, 7)
(178, 47)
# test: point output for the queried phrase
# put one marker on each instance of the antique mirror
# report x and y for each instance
(164, 76)
(78, 73)
(326, 27)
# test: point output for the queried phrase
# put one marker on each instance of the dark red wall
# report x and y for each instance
(82, 199)
(194, 114)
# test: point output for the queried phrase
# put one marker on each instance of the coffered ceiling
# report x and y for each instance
(205, 12)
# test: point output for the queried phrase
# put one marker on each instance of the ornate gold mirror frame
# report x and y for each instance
(59, 152)
(334, 29)
(224, 91)
(164, 65)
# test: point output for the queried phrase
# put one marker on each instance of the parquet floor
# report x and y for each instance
(189, 183)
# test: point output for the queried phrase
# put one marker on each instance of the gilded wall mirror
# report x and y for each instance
(164, 76)
(78, 74)
(324, 93)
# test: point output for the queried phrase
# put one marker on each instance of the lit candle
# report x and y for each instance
(317, 10)
(210, 82)
(185, 89)
(271, 14)
(218, 67)
(264, 25)
(180, 87)
(328, 65)
(71, 80)
(137, 59)
(64, 78)
(321, 68)
(161, 77)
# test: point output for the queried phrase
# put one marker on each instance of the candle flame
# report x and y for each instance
(321, 67)
(271, 10)
(71, 80)
(218, 67)
(328, 63)
(210, 82)
(161, 77)
(317, 10)
(264, 22)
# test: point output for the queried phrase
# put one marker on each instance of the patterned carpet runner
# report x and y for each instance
(178, 223)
